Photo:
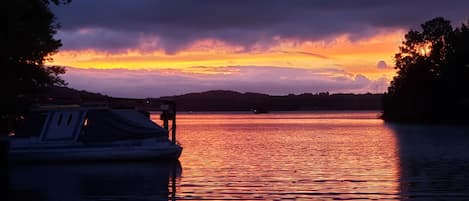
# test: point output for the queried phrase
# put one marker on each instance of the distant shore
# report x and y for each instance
(222, 100)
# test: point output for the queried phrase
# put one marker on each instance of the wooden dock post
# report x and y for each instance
(169, 113)
(173, 127)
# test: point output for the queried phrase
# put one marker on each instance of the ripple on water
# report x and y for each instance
(289, 156)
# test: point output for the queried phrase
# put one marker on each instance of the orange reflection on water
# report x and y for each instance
(276, 156)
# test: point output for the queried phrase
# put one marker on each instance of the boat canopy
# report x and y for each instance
(89, 125)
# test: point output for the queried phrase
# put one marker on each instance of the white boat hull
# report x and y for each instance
(88, 133)
(120, 151)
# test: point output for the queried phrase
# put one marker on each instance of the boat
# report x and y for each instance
(80, 133)
(259, 111)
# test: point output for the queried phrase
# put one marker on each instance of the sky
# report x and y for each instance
(151, 48)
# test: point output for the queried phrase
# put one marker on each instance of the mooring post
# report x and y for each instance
(173, 129)
(164, 115)
(165, 121)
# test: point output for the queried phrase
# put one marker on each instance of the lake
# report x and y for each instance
(344, 155)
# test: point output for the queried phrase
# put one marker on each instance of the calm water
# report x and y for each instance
(278, 156)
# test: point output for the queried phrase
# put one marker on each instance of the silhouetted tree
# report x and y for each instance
(27, 42)
(432, 81)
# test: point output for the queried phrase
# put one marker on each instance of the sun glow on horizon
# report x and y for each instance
(357, 57)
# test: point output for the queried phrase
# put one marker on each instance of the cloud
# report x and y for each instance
(382, 65)
(262, 79)
(98, 39)
(173, 25)
(306, 53)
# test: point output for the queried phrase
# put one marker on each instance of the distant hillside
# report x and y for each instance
(68, 96)
(234, 101)
(65, 95)
(221, 100)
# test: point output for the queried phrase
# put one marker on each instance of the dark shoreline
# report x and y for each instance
(231, 101)
(222, 100)
(427, 122)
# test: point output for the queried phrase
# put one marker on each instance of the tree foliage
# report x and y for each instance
(27, 43)
(432, 81)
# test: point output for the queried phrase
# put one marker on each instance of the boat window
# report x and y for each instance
(60, 120)
(69, 119)
(65, 126)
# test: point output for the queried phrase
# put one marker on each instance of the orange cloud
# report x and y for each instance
(357, 57)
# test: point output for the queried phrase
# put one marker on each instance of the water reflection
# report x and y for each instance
(103, 181)
(318, 156)
(434, 162)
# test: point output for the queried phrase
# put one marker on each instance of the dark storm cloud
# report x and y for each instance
(176, 23)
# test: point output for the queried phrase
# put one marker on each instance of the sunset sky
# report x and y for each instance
(158, 48)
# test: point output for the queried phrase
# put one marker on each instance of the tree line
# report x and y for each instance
(27, 43)
(432, 80)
